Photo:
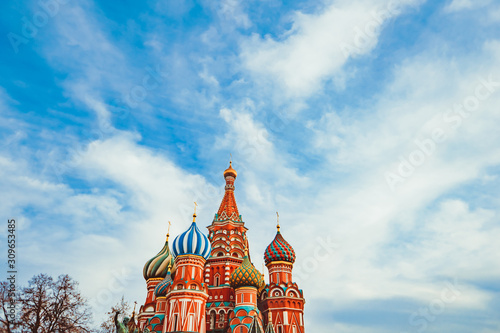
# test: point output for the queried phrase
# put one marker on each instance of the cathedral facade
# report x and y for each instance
(207, 284)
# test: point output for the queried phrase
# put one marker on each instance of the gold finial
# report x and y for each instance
(270, 317)
(168, 230)
(278, 218)
(133, 312)
(169, 267)
(194, 215)
(230, 158)
(230, 171)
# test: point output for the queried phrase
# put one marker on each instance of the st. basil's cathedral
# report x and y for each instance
(208, 284)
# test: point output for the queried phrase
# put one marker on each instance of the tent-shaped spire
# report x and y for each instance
(228, 209)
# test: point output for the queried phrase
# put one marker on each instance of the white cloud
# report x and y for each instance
(494, 14)
(318, 45)
(159, 187)
(255, 155)
(459, 5)
(231, 11)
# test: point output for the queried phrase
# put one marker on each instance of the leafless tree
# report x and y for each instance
(48, 306)
(8, 317)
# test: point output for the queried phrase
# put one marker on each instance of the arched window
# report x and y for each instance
(220, 254)
(212, 320)
(221, 316)
(217, 281)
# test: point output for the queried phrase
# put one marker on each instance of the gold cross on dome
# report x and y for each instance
(278, 218)
(194, 215)
(168, 230)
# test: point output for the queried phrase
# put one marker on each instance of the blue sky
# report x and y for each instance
(371, 126)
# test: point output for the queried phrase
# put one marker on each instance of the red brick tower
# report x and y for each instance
(282, 302)
(227, 234)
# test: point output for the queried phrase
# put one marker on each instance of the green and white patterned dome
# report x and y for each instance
(157, 266)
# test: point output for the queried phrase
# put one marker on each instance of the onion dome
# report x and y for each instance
(157, 266)
(192, 241)
(230, 171)
(279, 250)
(161, 288)
(246, 275)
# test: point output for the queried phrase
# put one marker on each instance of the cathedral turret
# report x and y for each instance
(186, 301)
(227, 234)
(246, 280)
(282, 300)
(155, 270)
(279, 257)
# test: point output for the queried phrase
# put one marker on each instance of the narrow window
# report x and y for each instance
(212, 320)
(190, 323)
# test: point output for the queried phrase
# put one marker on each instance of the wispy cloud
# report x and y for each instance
(318, 45)
(458, 5)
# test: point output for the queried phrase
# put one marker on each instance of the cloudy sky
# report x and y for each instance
(372, 126)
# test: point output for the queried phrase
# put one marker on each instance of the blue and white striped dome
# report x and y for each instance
(192, 241)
